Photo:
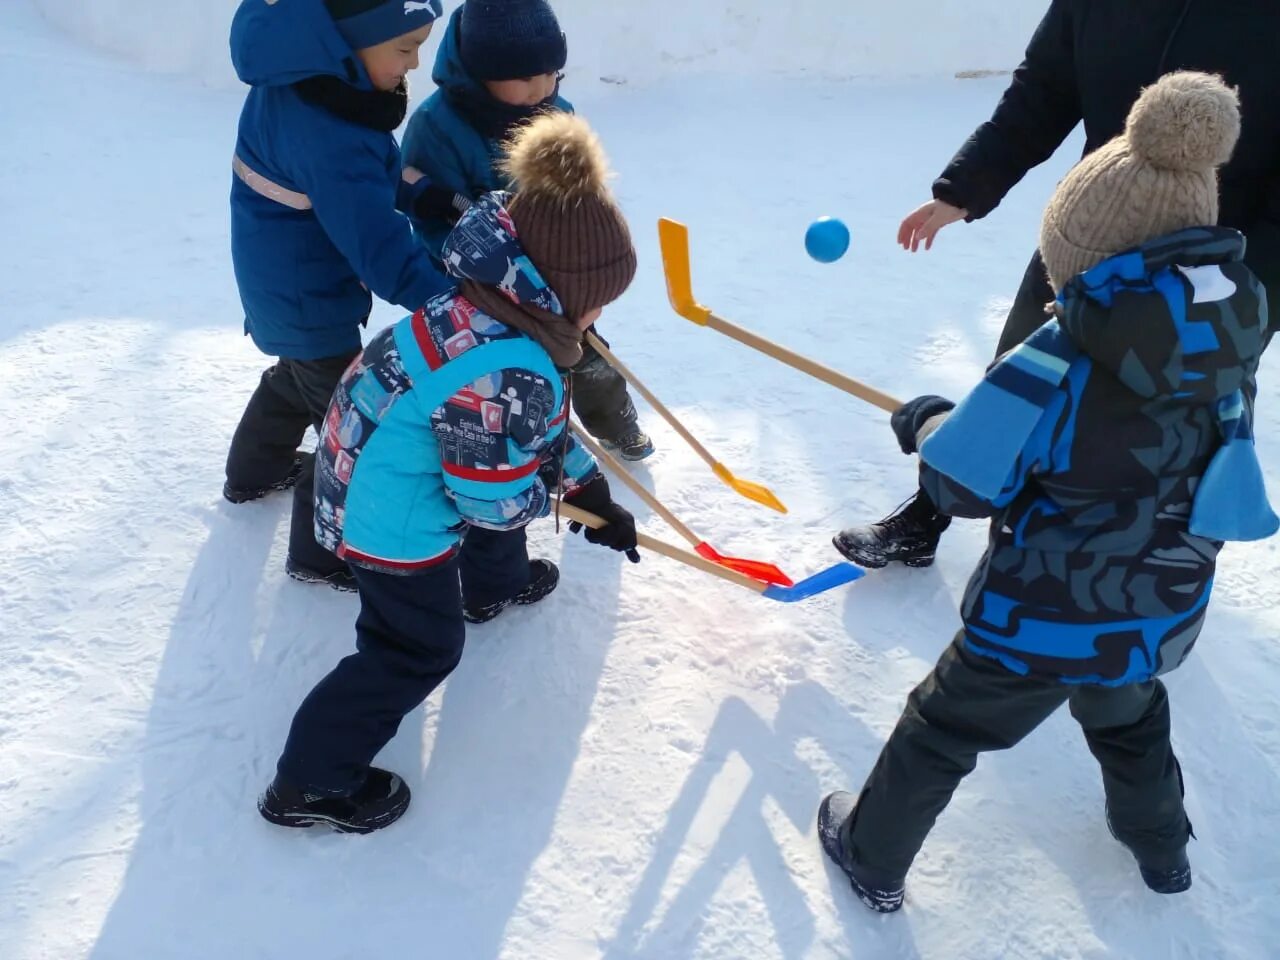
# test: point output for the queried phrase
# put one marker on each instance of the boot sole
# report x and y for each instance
(232, 495)
(521, 599)
(303, 820)
(636, 457)
(632, 457)
(249, 496)
(321, 581)
(878, 563)
(513, 602)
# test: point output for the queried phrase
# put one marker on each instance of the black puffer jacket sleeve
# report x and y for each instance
(1262, 252)
(1037, 112)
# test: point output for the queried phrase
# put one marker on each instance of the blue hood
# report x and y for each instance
(448, 72)
(277, 44)
(483, 247)
(1178, 316)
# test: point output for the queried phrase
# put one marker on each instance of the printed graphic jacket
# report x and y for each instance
(447, 418)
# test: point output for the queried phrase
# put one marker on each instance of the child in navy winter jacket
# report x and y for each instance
(1113, 451)
(497, 67)
(447, 436)
(314, 225)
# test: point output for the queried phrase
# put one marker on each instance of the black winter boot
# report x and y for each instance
(543, 577)
(379, 802)
(633, 444)
(908, 535)
(246, 494)
(880, 896)
(1174, 879)
(1173, 875)
(341, 580)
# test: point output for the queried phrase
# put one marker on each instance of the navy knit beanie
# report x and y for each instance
(511, 39)
(367, 23)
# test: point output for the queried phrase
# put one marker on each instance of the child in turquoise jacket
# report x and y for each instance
(446, 436)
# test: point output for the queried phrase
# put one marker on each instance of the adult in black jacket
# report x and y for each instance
(1087, 62)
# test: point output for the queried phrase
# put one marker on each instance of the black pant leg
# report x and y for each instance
(1027, 315)
(314, 382)
(968, 705)
(270, 429)
(1127, 729)
(409, 638)
(600, 398)
(494, 565)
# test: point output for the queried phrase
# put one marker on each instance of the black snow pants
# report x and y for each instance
(409, 637)
(291, 395)
(600, 397)
(971, 704)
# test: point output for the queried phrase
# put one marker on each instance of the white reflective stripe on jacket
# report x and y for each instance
(266, 188)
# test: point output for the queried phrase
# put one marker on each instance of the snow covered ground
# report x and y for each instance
(630, 769)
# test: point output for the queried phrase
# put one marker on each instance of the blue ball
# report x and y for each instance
(827, 239)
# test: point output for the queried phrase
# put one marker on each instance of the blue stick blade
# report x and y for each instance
(828, 579)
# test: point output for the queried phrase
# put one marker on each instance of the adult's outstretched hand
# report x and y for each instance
(923, 224)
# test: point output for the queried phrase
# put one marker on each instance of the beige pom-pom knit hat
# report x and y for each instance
(1157, 177)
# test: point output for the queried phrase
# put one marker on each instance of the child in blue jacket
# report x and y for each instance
(498, 66)
(1114, 454)
(446, 436)
(314, 226)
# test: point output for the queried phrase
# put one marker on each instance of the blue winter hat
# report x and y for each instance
(511, 39)
(367, 23)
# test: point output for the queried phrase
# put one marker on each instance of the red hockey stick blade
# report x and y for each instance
(756, 569)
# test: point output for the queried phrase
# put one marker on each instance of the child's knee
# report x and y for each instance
(1100, 708)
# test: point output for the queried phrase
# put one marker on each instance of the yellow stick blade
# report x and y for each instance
(673, 237)
(752, 491)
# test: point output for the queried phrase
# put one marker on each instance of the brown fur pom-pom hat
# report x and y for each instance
(1157, 177)
(567, 220)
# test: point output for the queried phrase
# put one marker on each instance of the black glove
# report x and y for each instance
(435, 202)
(620, 534)
(912, 415)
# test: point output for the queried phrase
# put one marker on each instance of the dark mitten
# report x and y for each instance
(912, 415)
(435, 202)
(620, 532)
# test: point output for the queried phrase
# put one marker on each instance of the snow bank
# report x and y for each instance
(177, 36)
(612, 41)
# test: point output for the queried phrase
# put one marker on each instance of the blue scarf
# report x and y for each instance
(978, 444)
(1231, 500)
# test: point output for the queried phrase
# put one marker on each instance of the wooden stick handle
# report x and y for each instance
(634, 485)
(654, 402)
(667, 550)
(804, 364)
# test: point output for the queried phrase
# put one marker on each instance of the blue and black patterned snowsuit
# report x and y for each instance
(1092, 582)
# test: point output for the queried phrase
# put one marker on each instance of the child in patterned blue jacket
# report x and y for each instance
(314, 224)
(446, 436)
(1114, 453)
(497, 67)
